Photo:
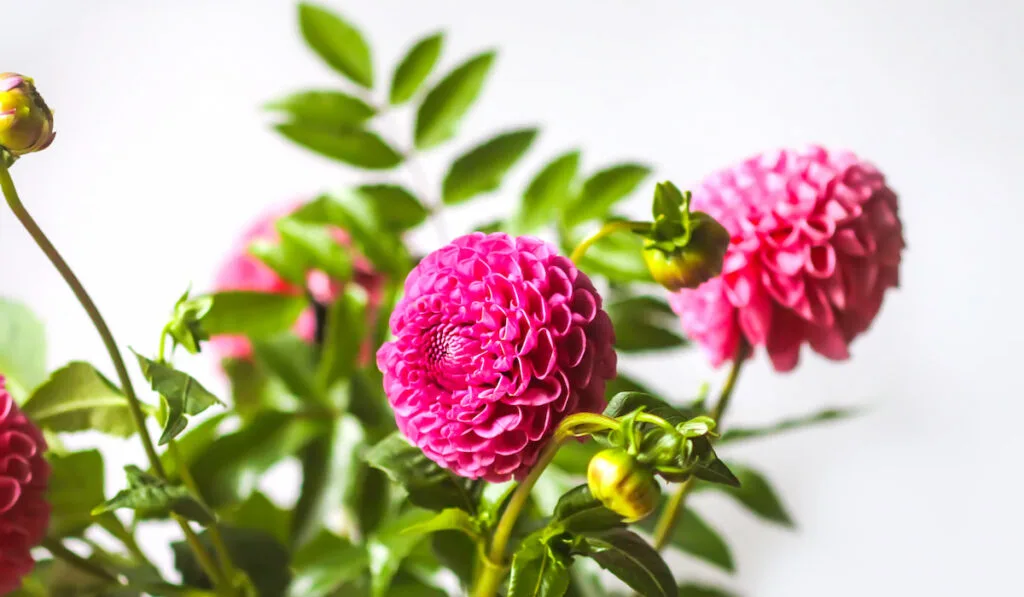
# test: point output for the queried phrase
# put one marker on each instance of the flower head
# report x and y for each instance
(244, 271)
(24, 512)
(816, 242)
(26, 123)
(496, 340)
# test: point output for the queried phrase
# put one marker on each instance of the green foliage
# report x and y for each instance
(481, 169)
(391, 545)
(154, 497)
(353, 146)
(74, 489)
(549, 190)
(644, 323)
(626, 555)
(603, 190)
(756, 494)
(256, 553)
(429, 485)
(337, 42)
(182, 395)
(323, 109)
(22, 349)
(697, 590)
(393, 206)
(252, 314)
(415, 67)
(326, 563)
(259, 513)
(444, 106)
(538, 571)
(77, 397)
(617, 257)
(697, 538)
(344, 338)
(317, 245)
(824, 416)
(578, 511)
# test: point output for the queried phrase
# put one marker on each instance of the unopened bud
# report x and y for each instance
(622, 484)
(676, 267)
(26, 123)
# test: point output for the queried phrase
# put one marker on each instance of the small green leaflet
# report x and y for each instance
(415, 67)
(182, 394)
(154, 497)
(439, 115)
(77, 397)
(482, 168)
(337, 42)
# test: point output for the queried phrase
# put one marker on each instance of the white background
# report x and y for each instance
(163, 154)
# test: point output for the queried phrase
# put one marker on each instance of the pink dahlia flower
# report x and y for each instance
(24, 512)
(496, 340)
(816, 242)
(243, 271)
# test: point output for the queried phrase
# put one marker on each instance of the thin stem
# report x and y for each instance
(205, 561)
(55, 547)
(139, 417)
(675, 507)
(606, 230)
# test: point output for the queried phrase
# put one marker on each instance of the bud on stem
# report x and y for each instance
(622, 484)
(26, 123)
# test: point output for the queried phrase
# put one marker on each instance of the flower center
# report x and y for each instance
(446, 348)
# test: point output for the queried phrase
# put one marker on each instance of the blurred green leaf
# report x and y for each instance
(337, 42)
(643, 323)
(293, 361)
(756, 494)
(550, 189)
(709, 466)
(155, 498)
(415, 67)
(319, 246)
(444, 106)
(75, 488)
(457, 552)
(449, 519)
(253, 314)
(229, 469)
(578, 511)
(198, 438)
(624, 383)
(391, 545)
(574, 457)
(626, 402)
(287, 260)
(626, 555)
(429, 485)
(255, 552)
(407, 585)
(326, 563)
(182, 394)
(697, 538)
(345, 335)
(697, 590)
(78, 398)
(356, 213)
(253, 391)
(618, 257)
(259, 513)
(482, 168)
(22, 349)
(323, 109)
(538, 571)
(603, 190)
(394, 206)
(354, 146)
(832, 414)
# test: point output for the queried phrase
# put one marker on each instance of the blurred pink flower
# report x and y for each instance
(24, 511)
(243, 271)
(816, 242)
(496, 340)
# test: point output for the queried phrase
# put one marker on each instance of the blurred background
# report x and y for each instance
(163, 155)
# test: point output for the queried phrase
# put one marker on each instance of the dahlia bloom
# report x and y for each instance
(496, 340)
(244, 271)
(816, 242)
(24, 512)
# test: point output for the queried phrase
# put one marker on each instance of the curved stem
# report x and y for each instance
(606, 230)
(11, 194)
(670, 515)
(55, 547)
(205, 561)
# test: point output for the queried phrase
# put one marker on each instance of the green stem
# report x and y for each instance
(675, 507)
(205, 561)
(135, 406)
(606, 230)
(55, 547)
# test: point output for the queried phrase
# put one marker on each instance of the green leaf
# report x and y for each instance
(456, 552)
(319, 246)
(155, 498)
(697, 590)
(618, 257)
(832, 414)
(286, 259)
(626, 555)
(390, 546)
(394, 206)
(356, 213)
(578, 511)
(408, 585)
(326, 563)
(756, 494)
(190, 445)
(185, 327)
(449, 519)
(229, 469)
(252, 314)
(255, 552)
(537, 571)
(337, 42)
(253, 391)
(643, 323)
(603, 190)
(345, 335)
(331, 471)
(697, 538)
(574, 457)
(354, 146)
(323, 109)
(624, 383)
(259, 513)
(481, 169)
(293, 362)
(415, 67)
(75, 487)
(709, 467)
(549, 191)
(438, 116)
(429, 485)
(182, 393)
(78, 398)
(22, 348)
(626, 402)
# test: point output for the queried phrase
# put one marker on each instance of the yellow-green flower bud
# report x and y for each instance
(622, 484)
(26, 123)
(691, 265)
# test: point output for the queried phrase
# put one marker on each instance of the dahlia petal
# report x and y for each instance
(543, 357)
(820, 261)
(828, 341)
